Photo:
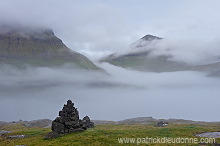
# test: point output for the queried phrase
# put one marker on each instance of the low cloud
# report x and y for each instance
(193, 52)
(36, 93)
(105, 27)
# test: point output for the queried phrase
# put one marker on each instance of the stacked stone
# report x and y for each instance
(68, 120)
(87, 123)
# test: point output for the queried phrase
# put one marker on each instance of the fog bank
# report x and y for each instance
(37, 93)
(188, 51)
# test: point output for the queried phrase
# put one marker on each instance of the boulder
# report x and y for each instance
(161, 124)
(87, 123)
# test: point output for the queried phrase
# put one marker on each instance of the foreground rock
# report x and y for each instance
(209, 134)
(4, 132)
(16, 136)
(69, 122)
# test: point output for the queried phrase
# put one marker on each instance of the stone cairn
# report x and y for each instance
(68, 121)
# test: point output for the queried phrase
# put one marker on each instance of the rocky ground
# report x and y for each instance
(4, 132)
(139, 120)
(150, 120)
(209, 134)
(20, 132)
(43, 123)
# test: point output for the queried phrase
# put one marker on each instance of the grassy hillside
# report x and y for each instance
(38, 47)
(103, 134)
(141, 61)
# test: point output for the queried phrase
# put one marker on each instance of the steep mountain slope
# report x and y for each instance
(139, 57)
(38, 47)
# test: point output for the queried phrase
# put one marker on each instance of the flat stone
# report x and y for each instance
(4, 132)
(16, 136)
(209, 134)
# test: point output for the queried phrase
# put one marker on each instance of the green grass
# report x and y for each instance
(103, 134)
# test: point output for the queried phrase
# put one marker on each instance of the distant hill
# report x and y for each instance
(38, 47)
(138, 57)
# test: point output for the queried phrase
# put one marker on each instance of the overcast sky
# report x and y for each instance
(100, 27)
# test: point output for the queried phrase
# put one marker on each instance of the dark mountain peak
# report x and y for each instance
(149, 37)
(25, 31)
(21, 45)
(137, 48)
(141, 58)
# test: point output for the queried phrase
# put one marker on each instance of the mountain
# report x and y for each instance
(38, 47)
(139, 57)
(149, 37)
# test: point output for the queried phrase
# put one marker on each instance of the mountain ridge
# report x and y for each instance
(37, 47)
(139, 57)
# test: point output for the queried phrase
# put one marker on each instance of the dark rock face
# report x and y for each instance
(150, 37)
(68, 120)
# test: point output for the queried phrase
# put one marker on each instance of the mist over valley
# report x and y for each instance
(113, 60)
